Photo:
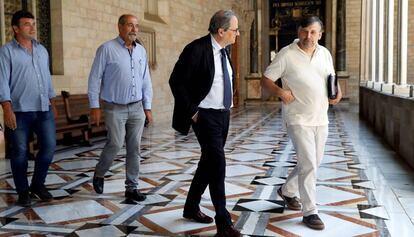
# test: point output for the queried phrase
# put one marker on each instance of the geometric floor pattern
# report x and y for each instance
(259, 158)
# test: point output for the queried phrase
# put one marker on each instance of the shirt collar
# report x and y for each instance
(16, 43)
(216, 46)
(122, 42)
(296, 46)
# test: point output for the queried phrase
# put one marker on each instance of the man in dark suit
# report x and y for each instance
(201, 83)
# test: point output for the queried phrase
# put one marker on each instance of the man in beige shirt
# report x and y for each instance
(304, 67)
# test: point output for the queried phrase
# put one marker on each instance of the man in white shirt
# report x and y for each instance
(304, 67)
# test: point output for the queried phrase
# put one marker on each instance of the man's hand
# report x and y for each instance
(286, 96)
(195, 117)
(9, 116)
(96, 116)
(148, 115)
(337, 99)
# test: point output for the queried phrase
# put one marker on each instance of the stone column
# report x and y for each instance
(340, 44)
(341, 36)
(3, 25)
(390, 42)
(380, 34)
(402, 41)
(253, 47)
(365, 40)
(373, 43)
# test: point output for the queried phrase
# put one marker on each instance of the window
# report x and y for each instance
(39, 8)
(151, 11)
(151, 7)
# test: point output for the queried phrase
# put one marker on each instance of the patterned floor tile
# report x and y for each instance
(328, 195)
(259, 158)
(71, 211)
(268, 180)
(259, 205)
(248, 156)
(333, 226)
(171, 221)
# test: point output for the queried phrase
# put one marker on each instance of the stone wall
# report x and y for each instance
(391, 117)
(80, 26)
(87, 24)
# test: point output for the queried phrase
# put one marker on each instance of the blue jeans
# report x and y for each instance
(43, 125)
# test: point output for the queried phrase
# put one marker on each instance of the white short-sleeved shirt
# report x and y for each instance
(306, 76)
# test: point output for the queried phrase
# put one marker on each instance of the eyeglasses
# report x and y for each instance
(235, 30)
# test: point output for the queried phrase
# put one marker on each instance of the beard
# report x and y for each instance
(307, 44)
(132, 37)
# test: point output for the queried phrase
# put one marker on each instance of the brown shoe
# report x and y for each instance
(198, 217)
(228, 232)
(313, 222)
(291, 203)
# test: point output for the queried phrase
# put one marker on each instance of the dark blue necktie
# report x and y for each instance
(226, 81)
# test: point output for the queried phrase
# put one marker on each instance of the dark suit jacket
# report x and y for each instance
(191, 80)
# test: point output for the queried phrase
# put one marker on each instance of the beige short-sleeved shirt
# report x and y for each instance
(306, 77)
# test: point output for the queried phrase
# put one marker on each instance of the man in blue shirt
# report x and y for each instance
(26, 94)
(120, 78)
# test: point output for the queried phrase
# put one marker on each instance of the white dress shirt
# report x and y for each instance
(214, 98)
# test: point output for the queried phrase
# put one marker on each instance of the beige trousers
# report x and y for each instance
(309, 143)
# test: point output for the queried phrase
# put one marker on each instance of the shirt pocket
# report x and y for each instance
(138, 68)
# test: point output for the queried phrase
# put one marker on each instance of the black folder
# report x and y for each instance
(332, 86)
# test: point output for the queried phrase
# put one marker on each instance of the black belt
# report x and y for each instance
(123, 104)
(139, 101)
(215, 110)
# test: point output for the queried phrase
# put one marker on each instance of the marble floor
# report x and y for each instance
(363, 188)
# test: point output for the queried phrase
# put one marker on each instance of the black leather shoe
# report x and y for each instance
(98, 184)
(24, 199)
(135, 195)
(198, 217)
(41, 192)
(228, 232)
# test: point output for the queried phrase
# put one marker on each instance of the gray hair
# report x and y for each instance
(220, 19)
(122, 19)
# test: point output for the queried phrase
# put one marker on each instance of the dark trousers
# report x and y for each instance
(43, 125)
(211, 130)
